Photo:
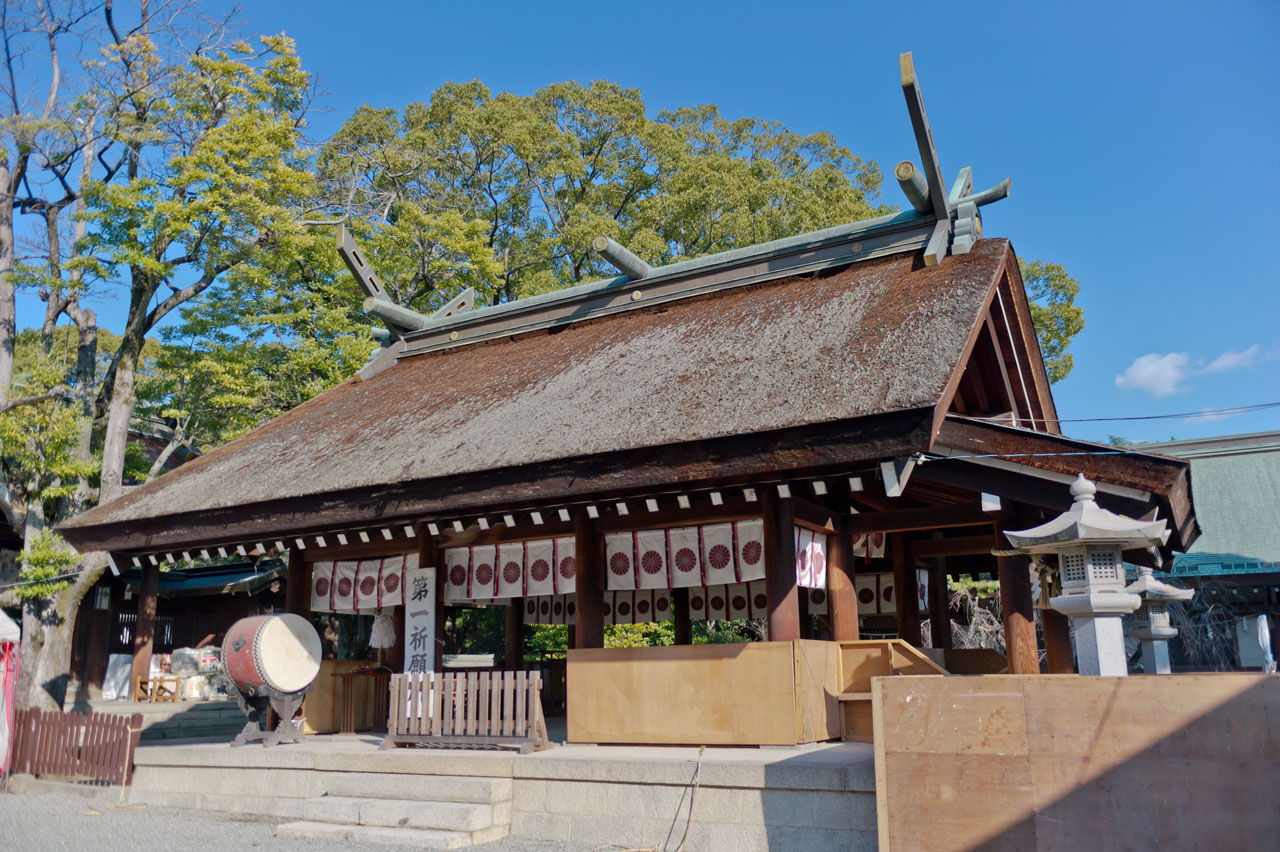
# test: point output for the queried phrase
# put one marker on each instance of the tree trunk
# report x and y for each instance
(119, 416)
(8, 303)
(47, 628)
(86, 379)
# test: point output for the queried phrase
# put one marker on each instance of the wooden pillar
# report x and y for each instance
(515, 634)
(683, 622)
(904, 591)
(1057, 642)
(1018, 613)
(297, 588)
(806, 617)
(780, 567)
(395, 654)
(939, 607)
(842, 598)
(589, 588)
(145, 628)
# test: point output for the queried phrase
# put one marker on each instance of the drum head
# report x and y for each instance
(288, 652)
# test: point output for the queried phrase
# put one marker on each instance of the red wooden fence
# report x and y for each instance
(95, 747)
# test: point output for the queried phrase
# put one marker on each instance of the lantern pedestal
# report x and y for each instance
(1097, 619)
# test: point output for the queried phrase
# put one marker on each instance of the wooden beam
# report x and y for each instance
(395, 654)
(904, 591)
(912, 520)
(589, 585)
(924, 136)
(376, 548)
(145, 628)
(991, 364)
(939, 606)
(1017, 610)
(680, 614)
(896, 473)
(639, 518)
(965, 545)
(500, 533)
(1057, 642)
(780, 568)
(814, 516)
(513, 634)
(297, 588)
(842, 598)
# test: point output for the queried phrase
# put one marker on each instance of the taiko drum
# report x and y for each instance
(277, 652)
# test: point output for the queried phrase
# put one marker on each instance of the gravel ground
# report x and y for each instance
(57, 822)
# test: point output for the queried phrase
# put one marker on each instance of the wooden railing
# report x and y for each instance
(95, 747)
(467, 708)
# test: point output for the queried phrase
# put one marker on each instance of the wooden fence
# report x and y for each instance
(94, 747)
(467, 708)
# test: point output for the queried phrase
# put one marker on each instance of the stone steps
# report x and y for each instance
(405, 822)
(414, 838)
(400, 809)
(180, 719)
(405, 813)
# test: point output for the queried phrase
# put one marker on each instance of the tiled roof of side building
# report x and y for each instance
(1237, 492)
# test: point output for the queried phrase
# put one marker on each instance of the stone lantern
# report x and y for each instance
(1088, 541)
(1151, 621)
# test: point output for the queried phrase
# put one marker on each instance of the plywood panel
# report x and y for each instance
(817, 667)
(741, 694)
(1060, 762)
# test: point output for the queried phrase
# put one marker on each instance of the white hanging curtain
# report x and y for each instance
(359, 585)
(519, 569)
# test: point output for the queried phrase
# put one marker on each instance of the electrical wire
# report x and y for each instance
(1206, 412)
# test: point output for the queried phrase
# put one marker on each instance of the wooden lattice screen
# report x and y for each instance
(467, 708)
(95, 747)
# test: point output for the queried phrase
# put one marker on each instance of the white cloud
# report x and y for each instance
(1158, 375)
(1231, 360)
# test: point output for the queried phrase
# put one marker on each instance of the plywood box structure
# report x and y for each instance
(760, 693)
(1050, 762)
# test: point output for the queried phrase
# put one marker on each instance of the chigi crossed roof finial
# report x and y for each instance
(959, 222)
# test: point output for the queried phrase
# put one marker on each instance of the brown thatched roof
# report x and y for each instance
(801, 353)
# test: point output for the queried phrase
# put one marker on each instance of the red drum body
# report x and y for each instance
(272, 652)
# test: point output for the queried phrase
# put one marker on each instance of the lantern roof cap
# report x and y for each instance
(1154, 589)
(1088, 523)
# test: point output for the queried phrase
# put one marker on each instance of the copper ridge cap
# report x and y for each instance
(912, 225)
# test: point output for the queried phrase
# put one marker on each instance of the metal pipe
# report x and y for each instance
(915, 186)
(394, 315)
(622, 259)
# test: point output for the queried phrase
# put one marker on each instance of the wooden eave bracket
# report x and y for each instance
(959, 222)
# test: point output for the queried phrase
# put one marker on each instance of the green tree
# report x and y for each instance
(157, 165)
(505, 193)
(1057, 318)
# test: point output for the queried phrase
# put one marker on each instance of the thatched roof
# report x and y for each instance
(881, 337)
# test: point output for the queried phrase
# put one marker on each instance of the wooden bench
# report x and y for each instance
(159, 687)
(502, 709)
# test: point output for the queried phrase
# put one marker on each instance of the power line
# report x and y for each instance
(1207, 412)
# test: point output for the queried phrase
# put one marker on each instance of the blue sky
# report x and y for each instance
(1142, 141)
